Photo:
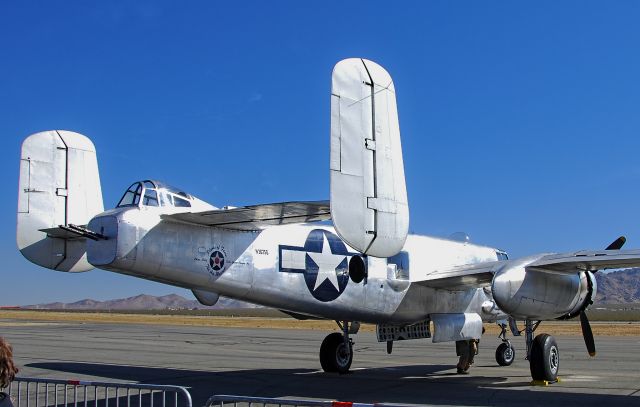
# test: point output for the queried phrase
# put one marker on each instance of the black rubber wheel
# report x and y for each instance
(505, 354)
(545, 358)
(334, 356)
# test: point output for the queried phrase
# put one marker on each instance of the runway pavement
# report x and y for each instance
(279, 363)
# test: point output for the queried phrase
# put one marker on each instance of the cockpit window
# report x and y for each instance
(501, 255)
(179, 202)
(154, 193)
(166, 198)
(132, 196)
(150, 198)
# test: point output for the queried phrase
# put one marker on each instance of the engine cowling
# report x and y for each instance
(535, 294)
(586, 297)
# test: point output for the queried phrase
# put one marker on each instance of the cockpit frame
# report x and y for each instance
(151, 193)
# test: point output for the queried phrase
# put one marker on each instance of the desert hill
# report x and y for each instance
(144, 302)
(618, 287)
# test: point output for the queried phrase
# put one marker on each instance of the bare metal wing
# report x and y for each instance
(481, 274)
(592, 260)
(256, 217)
(461, 277)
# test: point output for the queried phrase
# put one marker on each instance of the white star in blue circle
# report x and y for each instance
(323, 260)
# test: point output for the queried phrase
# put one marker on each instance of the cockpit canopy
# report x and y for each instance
(155, 193)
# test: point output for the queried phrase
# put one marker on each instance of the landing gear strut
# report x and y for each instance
(505, 354)
(542, 353)
(336, 351)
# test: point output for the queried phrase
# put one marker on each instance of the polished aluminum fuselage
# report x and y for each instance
(141, 244)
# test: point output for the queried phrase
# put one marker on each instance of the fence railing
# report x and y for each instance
(223, 400)
(38, 392)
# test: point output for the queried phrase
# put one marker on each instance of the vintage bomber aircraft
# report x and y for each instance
(364, 268)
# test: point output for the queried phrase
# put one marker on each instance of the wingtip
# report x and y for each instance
(592, 354)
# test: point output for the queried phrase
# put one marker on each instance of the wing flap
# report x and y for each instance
(256, 217)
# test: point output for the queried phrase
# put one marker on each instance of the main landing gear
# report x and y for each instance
(543, 354)
(542, 351)
(336, 351)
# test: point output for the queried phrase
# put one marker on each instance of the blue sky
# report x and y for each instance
(520, 121)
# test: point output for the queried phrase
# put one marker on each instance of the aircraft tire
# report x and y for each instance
(545, 358)
(505, 354)
(333, 357)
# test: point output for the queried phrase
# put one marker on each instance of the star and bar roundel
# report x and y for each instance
(216, 260)
(324, 262)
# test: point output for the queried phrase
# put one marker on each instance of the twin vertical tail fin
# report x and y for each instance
(368, 193)
(59, 187)
(59, 192)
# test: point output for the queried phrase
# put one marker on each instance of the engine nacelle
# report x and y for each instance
(535, 294)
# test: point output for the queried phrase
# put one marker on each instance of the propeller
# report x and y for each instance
(617, 244)
(587, 334)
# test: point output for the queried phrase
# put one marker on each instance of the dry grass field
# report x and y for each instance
(19, 317)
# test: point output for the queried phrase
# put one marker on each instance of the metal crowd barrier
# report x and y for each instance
(242, 401)
(36, 392)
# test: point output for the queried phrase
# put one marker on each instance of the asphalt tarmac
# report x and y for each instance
(284, 363)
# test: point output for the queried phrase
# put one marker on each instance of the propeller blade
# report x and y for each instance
(587, 334)
(617, 244)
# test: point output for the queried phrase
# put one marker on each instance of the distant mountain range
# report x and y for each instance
(618, 287)
(613, 288)
(144, 302)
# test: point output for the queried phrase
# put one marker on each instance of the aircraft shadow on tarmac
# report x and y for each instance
(417, 384)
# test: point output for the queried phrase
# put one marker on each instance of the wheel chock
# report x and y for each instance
(544, 382)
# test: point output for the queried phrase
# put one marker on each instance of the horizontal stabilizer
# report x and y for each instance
(71, 231)
(257, 217)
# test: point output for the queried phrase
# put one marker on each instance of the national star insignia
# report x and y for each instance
(327, 263)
